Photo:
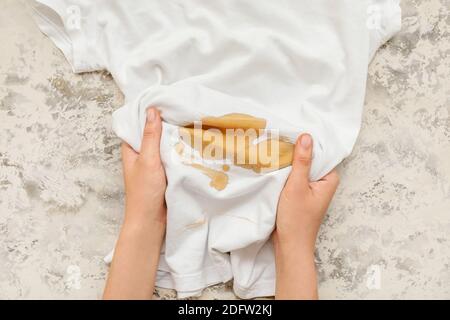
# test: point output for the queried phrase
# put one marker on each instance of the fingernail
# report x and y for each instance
(305, 141)
(151, 114)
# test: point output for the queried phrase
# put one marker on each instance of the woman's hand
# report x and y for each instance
(133, 269)
(145, 179)
(301, 209)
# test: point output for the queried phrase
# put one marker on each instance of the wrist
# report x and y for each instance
(288, 245)
(145, 239)
(142, 224)
(144, 213)
(290, 258)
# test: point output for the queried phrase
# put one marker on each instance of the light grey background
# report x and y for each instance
(61, 193)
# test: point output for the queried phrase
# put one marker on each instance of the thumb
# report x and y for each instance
(301, 163)
(152, 135)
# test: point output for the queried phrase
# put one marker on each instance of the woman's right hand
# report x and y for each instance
(301, 209)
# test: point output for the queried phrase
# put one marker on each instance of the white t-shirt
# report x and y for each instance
(299, 64)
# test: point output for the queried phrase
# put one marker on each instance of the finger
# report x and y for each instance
(129, 156)
(301, 164)
(332, 180)
(328, 184)
(152, 135)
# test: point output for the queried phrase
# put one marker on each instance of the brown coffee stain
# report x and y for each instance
(179, 148)
(196, 224)
(234, 121)
(243, 145)
(219, 179)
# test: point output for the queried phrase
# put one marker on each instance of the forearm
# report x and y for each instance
(136, 256)
(296, 277)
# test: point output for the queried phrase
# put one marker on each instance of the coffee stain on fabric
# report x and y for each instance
(239, 138)
(234, 121)
(243, 145)
(196, 224)
(219, 179)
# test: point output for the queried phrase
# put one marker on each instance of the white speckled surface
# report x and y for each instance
(61, 186)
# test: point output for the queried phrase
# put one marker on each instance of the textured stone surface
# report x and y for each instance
(61, 193)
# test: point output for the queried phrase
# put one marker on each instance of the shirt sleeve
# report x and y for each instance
(73, 26)
(384, 20)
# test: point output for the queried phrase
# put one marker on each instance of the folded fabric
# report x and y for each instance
(282, 68)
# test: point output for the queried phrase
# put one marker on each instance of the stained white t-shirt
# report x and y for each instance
(299, 64)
